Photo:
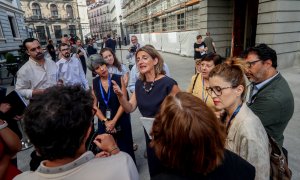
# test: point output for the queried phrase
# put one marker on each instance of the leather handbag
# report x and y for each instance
(279, 169)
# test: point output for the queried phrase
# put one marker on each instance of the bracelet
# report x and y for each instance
(113, 149)
(4, 125)
(104, 120)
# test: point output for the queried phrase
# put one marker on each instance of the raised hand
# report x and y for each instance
(117, 88)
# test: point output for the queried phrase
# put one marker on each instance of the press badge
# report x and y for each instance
(108, 114)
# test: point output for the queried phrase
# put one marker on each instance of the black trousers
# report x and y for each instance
(155, 166)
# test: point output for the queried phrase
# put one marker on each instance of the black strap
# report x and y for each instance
(195, 81)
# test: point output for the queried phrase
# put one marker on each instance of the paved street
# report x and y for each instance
(182, 69)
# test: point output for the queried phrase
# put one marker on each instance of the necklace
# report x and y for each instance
(150, 88)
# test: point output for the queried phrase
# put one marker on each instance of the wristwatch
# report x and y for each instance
(104, 120)
(3, 124)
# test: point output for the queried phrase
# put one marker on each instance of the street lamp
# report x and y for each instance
(122, 35)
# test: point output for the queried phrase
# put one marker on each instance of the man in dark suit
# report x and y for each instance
(110, 43)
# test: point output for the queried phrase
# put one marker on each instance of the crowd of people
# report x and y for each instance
(217, 129)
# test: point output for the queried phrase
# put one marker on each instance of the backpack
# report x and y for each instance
(279, 169)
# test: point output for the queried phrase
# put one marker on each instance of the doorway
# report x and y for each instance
(244, 25)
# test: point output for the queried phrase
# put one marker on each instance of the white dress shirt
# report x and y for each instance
(71, 72)
(34, 76)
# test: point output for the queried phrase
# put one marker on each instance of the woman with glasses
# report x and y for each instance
(199, 81)
(113, 64)
(150, 90)
(112, 118)
(246, 135)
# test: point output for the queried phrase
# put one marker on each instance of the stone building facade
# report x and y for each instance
(46, 19)
(234, 25)
(12, 29)
(99, 19)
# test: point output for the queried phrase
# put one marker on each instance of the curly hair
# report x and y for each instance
(264, 52)
(57, 121)
(187, 136)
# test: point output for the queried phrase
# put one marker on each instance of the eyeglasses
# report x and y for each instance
(250, 64)
(216, 89)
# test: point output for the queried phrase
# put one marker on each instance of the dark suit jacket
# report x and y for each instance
(110, 43)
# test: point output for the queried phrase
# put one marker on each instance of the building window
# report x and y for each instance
(54, 11)
(72, 29)
(1, 32)
(13, 26)
(164, 24)
(40, 30)
(69, 11)
(180, 21)
(152, 26)
(57, 32)
(36, 10)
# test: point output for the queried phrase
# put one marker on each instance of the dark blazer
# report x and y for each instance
(274, 105)
(110, 43)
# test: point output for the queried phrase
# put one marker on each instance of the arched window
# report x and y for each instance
(54, 11)
(36, 10)
(69, 11)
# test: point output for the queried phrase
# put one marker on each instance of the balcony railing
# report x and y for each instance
(50, 18)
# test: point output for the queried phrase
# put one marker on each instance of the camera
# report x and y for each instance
(133, 49)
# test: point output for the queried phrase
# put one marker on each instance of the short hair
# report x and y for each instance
(108, 35)
(65, 35)
(199, 36)
(216, 58)
(232, 70)
(133, 36)
(27, 41)
(57, 121)
(264, 52)
(154, 54)
(94, 61)
(187, 136)
(62, 44)
(116, 61)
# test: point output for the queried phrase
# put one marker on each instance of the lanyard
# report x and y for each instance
(204, 99)
(102, 93)
(233, 116)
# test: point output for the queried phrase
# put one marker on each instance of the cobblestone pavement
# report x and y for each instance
(182, 68)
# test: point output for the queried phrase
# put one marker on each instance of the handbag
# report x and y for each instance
(279, 169)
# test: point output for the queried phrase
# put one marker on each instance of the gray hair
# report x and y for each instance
(94, 61)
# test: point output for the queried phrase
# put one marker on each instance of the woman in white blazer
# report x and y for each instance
(246, 135)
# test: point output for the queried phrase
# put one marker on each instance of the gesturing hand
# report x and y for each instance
(105, 142)
(117, 88)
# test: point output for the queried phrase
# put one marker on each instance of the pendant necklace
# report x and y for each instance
(150, 88)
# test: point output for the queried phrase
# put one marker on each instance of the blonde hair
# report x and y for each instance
(158, 68)
(232, 70)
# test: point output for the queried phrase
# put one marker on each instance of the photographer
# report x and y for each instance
(131, 51)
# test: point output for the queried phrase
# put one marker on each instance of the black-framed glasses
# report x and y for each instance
(216, 89)
(251, 63)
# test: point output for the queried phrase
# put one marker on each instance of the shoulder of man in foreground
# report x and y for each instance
(119, 166)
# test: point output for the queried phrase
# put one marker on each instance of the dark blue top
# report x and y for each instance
(113, 102)
(149, 102)
(233, 167)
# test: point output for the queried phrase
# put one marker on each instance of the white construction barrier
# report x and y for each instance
(173, 42)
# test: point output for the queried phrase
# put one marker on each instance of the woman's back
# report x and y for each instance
(233, 167)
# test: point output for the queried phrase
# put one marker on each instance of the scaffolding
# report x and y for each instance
(146, 16)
